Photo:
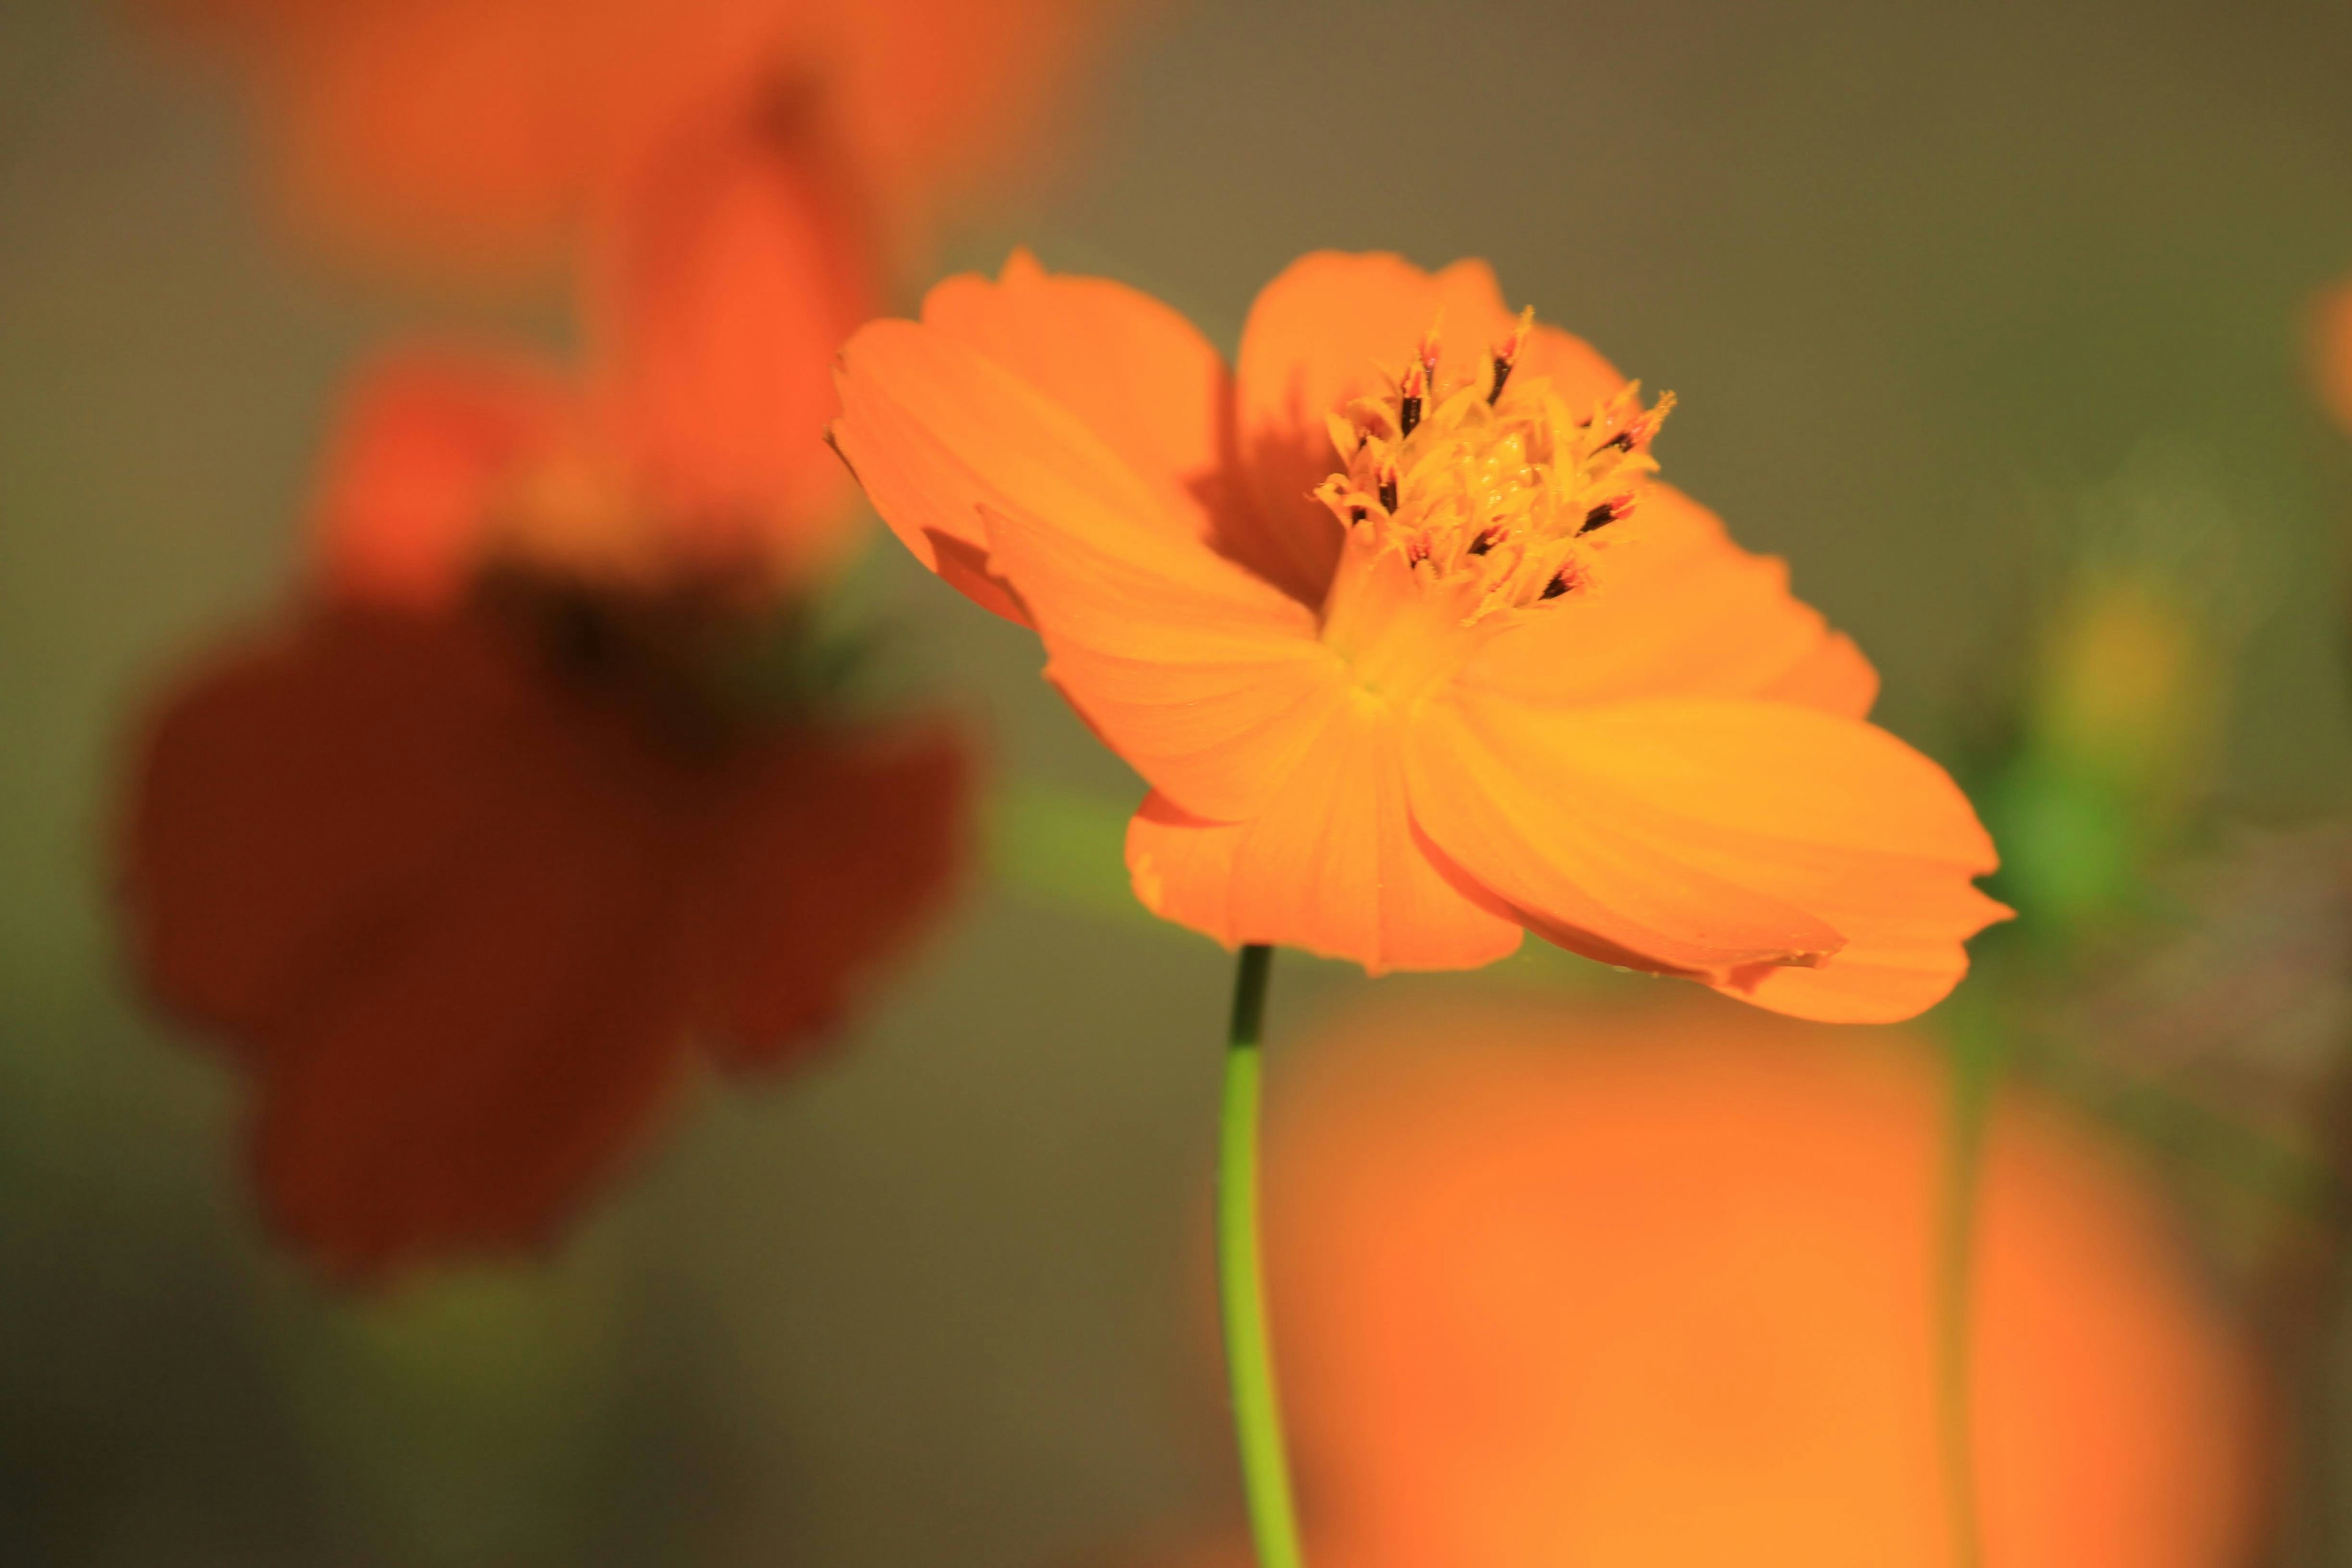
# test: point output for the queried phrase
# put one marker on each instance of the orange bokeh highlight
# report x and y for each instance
(2331, 322)
(1658, 1287)
(478, 135)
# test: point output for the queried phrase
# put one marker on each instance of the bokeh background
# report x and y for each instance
(1956, 299)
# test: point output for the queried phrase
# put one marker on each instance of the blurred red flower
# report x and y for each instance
(459, 908)
(463, 858)
(1659, 1288)
(478, 132)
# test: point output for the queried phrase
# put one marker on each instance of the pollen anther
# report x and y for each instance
(1491, 492)
(1507, 353)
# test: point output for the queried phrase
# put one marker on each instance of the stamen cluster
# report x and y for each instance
(1492, 487)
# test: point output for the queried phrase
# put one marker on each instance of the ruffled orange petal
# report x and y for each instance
(1678, 610)
(934, 430)
(1322, 332)
(1136, 373)
(1205, 678)
(1683, 832)
(429, 445)
(1331, 863)
(286, 793)
(1904, 923)
(837, 849)
(736, 264)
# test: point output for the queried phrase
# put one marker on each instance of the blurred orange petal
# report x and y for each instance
(430, 444)
(2332, 352)
(733, 265)
(472, 137)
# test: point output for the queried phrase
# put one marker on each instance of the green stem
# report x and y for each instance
(1241, 1288)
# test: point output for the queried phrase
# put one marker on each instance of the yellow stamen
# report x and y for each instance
(1498, 499)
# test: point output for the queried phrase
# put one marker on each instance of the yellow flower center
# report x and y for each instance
(1468, 504)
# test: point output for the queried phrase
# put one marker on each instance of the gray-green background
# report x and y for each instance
(1921, 276)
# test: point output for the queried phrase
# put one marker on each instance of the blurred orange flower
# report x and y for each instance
(2332, 324)
(1416, 658)
(690, 445)
(464, 858)
(480, 132)
(1659, 1288)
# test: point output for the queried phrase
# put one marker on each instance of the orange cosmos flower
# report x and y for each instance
(1660, 1288)
(480, 132)
(1412, 649)
(464, 858)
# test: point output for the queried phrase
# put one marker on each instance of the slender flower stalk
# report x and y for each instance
(1241, 1285)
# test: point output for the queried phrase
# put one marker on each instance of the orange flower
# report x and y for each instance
(1659, 1288)
(463, 858)
(481, 131)
(1413, 657)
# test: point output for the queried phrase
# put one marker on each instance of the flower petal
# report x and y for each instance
(1836, 677)
(838, 848)
(934, 429)
(1133, 371)
(1332, 863)
(482, 1064)
(1205, 678)
(1322, 332)
(1682, 832)
(432, 899)
(729, 269)
(429, 443)
(1678, 610)
(288, 793)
